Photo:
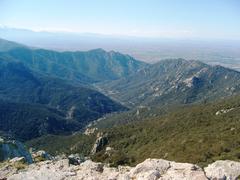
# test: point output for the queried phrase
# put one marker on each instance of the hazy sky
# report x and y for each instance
(154, 18)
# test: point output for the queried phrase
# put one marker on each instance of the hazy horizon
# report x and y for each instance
(217, 19)
(147, 30)
(151, 50)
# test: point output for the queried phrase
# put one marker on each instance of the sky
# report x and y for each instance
(219, 19)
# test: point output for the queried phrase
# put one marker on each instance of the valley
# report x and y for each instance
(114, 109)
(119, 90)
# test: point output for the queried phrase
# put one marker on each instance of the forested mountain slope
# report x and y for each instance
(18, 84)
(175, 81)
(79, 66)
(197, 133)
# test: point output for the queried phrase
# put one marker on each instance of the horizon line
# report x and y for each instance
(116, 35)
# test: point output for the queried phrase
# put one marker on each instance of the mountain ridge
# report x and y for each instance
(78, 66)
(173, 81)
(6, 45)
(77, 105)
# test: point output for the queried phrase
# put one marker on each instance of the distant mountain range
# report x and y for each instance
(139, 110)
(174, 81)
(223, 52)
(49, 92)
(82, 67)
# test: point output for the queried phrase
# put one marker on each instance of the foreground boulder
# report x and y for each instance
(151, 169)
(227, 170)
(163, 169)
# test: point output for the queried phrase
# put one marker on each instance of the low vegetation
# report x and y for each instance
(57, 145)
(189, 134)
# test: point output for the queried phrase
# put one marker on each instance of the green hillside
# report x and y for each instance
(27, 121)
(79, 67)
(196, 134)
(20, 85)
(57, 145)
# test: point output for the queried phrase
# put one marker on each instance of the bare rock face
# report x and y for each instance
(150, 169)
(223, 170)
(101, 142)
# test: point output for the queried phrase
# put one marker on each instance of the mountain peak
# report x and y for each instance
(98, 50)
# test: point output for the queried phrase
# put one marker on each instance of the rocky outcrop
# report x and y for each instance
(151, 169)
(40, 156)
(90, 131)
(101, 142)
(11, 148)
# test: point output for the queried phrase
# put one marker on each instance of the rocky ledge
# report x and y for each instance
(149, 169)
